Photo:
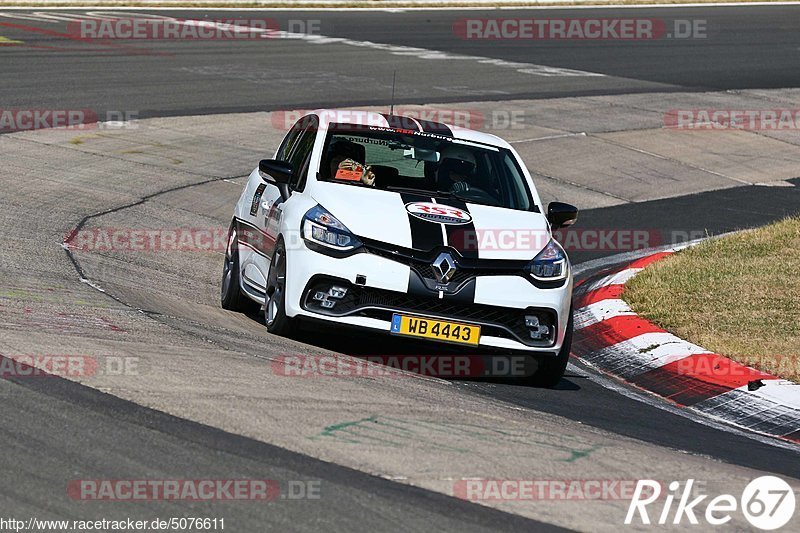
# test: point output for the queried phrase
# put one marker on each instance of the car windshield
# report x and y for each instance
(429, 163)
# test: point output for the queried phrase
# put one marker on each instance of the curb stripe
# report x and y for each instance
(615, 330)
(794, 436)
(698, 377)
(650, 259)
(637, 355)
(719, 370)
(618, 278)
(753, 411)
(600, 311)
(610, 292)
(610, 336)
(683, 390)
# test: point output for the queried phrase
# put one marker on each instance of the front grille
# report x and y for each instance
(468, 268)
(380, 304)
(425, 270)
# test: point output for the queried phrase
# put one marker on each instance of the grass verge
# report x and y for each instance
(738, 296)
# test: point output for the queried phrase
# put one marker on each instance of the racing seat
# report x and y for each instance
(348, 150)
(464, 168)
(386, 176)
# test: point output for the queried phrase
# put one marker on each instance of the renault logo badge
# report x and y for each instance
(444, 267)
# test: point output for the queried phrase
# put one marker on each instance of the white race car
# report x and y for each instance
(406, 227)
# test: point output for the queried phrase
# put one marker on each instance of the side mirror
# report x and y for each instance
(277, 172)
(274, 170)
(561, 215)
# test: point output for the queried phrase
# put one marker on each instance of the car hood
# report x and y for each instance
(474, 230)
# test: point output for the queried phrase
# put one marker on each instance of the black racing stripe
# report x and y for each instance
(402, 123)
(425, 236)
(462, 237)
(435, 127)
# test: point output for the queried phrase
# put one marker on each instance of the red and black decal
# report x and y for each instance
(255, 238)
(425, 235)
(461, 237)
(401, 123)
(257, 199)
(435, 127)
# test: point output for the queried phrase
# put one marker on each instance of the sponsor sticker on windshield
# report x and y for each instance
(349, 175)
(442, 214)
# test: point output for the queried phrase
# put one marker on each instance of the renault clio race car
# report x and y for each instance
(407, 227)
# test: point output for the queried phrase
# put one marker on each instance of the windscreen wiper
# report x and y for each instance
(423, 192)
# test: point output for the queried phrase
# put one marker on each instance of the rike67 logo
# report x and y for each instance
(767, 502)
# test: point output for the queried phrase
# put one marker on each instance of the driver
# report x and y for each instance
(456, 169)
(349, 156)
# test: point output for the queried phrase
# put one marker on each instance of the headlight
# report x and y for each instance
(324, 229)
(550, 264)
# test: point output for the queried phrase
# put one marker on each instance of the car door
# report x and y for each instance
(270, 209)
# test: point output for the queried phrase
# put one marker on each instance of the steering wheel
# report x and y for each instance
(480, 196)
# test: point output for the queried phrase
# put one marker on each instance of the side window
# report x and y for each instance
(514, 184)
(301, 155)
(301, 152)
(291, 138)
(300, 183)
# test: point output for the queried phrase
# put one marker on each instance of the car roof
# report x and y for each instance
(385, 120)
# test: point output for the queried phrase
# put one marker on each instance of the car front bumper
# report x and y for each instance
(379, 287)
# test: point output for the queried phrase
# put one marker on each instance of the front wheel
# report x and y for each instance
(275, 303)
(551, 369)
(231, 297)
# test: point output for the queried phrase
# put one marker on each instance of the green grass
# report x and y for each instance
(737, 296)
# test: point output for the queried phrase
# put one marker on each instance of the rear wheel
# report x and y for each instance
(275, 304)
(551, 368)
(231, 297)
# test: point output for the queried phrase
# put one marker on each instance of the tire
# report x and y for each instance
(551, 369)
(231, 297)
(275, 304)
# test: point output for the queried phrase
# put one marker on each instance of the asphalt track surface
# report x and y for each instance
(56, 429)
(584, 400)
(47, 421)
(744, 47)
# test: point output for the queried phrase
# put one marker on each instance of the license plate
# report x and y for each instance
(435, 329)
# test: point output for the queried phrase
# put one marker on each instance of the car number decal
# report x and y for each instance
(438, 213)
